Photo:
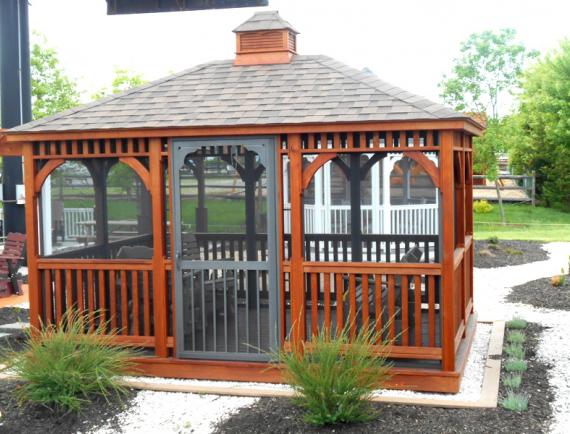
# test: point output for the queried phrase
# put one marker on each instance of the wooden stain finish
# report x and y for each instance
(137, 290)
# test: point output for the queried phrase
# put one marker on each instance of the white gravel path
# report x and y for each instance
(494, 284)
(161, 412)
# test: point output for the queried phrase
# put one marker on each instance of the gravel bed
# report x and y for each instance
(507, 253)
(279, 415)
(540, 293)
(9, 315)
(166, 412)
(492, 287)
(41, 420)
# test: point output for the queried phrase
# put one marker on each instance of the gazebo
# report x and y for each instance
(240, 206)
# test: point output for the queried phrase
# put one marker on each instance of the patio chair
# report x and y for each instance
(11, 259)
(413, 255)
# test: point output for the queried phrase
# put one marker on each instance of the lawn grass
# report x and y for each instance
(224, 215)
(524, 222)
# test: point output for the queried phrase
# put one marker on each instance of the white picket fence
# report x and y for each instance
(73, 222)
(404, 219)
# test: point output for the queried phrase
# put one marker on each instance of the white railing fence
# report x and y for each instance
(404, 219)
(73, 221)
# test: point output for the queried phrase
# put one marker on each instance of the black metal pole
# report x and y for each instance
(355, 226)
(15, 99)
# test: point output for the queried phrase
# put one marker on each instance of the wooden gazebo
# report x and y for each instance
(272, 195)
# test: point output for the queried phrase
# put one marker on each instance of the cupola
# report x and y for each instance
(265, 38)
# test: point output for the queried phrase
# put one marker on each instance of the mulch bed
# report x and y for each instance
(541, 293)
(33, 419)
(41, 420)
(507, 252)
(278, 415)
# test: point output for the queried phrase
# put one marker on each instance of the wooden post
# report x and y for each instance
(35, 293)
(447, 186)
(298, 308)
(159, 249)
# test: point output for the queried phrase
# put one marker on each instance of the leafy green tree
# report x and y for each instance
(52, 90)
(489, 67)
(545, 118)
(124, 80)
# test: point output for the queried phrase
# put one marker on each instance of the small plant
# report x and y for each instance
(512, 252)
(515, 401)
(513, 381)
(516, 337)
(515, 351)
(482, 207)
(63, 367)
(493, 240)
(336, 375)
(517, 324)
(559, 280)
(516, 365)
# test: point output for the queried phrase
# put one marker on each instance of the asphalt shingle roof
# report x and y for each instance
(265, 20)
(310, 89)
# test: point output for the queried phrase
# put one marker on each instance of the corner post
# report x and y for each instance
(298, 308)
(159, 249)
(447, 185)
(32, 248)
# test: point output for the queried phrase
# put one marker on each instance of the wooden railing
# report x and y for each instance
(401, 299)
(119, 293)
(108, 251)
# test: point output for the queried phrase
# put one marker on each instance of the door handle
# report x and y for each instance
(178, 260)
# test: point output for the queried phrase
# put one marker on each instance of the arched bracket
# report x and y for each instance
(315, 165)
(45, 171)
(428, 165)
(368, 165)
(139, 169)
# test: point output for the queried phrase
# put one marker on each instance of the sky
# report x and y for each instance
(409, 43)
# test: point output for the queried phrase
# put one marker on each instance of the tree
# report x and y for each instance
(490, 66)
(52, 90)
(545, 118)
(123, 81)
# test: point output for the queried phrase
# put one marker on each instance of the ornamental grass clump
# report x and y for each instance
(515, 351)
(513, 381)
(515, 401)
(516, 337)
(63, 367)
(516, 365)
(517, 324)
(334, 376)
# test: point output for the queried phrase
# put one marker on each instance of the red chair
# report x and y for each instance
(11, 259)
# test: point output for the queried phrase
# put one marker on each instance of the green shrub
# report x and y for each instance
(515, 351)
(517, 324)
(336, 375)
(516, 337)
(482, 207)
(515, 401)
(493, 240)
(63, 368)
(513, 381)
(516, 365)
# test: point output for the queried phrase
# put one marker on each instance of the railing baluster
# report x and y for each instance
(113, 298)
(146, 301)
(418, 310)
(431, 310)
(314, 304)
(102, 297)
(339, 303)
(124, 304)
(405, 311)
